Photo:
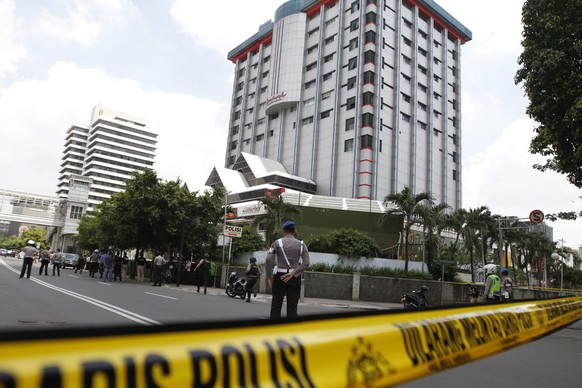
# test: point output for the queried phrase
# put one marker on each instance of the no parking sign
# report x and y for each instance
(536, 216)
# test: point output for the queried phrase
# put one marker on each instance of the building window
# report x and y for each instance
(311, 66)
(237, 115)
(327, 76)
(311, 49)
(367, 120)
(368, 98)
(422, 125)
(238, 100)
(274, 116)
(371, 18)
(76, 212)
(260, 121)
(422, 88)
(351, 83)
(325, 114)
(329, 40)
(267, 59)
(350, 124)
(370, 56)
(263, 89)
(260, 137)
(309, 102)
(241, 72)
(313, 32)
(370, 37)
(353, 44)
(354, 25)
(328, 58)
(352, 63)
(326, 95)
(309, 84)
(366, 141)
(369, 77)
(351, 104)
(235, 130)
(355, 6)
(422, 106)
(307, 120)
(349, 145)
(265, 74)
(405, 117)
(406, 60)
(407, 23)
(454, 175)
(240, 86)
(233, 144)
(407, 41)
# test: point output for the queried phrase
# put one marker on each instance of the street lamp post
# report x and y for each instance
(556, 256)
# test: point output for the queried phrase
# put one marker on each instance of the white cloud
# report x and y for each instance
(83, 20)
(11, 50)
(34, 116)
(211, 24)
(502, 178)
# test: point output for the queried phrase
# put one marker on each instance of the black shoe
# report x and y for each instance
(248, 301)
(21, 276)
(255, 294)
(205, 291)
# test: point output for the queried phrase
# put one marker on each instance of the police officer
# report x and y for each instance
(506, 285)
(29, 252)
(492, 291)
(291, 258)
(203, 269)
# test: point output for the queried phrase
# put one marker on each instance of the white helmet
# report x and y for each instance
(490, 269)
(30, 242)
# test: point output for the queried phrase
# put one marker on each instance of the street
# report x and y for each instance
(73, 300)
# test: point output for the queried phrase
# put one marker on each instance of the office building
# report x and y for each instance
(104, 154)
(362, 98)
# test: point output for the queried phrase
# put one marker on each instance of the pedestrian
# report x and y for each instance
(57, 261)
(473, 293)
(117, 267)
(94, 263)
(140, 265)
(107, 265)
(158, 263)
(492, 284)
(506, 285)
(252, 277)
(291, 258)
(203, 270)
(29, 252)
(124, 266)
(45, 257)
(213, 269)
(80, 264)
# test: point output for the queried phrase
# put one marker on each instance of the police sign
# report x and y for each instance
(232, 231)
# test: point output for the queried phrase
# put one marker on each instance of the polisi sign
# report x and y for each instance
(232, 231)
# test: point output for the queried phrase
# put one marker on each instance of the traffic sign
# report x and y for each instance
(232, 231)
(536, 216)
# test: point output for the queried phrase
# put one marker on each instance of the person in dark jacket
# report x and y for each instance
(203, 269)
(252, 277)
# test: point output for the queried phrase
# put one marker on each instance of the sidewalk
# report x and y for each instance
(337, 303)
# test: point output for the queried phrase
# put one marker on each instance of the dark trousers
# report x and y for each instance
(117, 272)
(292, 289)
(80, 265)
(26, 267)
(203, 280)
(251, 281)
(157, 275)
(93, 268)
(57, 267)
(43, 265)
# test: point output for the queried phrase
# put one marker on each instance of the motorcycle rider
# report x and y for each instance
(506, 285)
(492, 284)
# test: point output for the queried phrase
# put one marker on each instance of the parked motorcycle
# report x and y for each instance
(236, 286)
(418, 299)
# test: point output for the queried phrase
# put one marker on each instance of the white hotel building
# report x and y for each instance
(105, 154)
(361, 98)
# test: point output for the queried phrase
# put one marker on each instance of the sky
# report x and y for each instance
(165, 60)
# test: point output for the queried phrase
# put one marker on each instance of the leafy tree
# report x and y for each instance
(36, 234)
(352, 243)
(250, 241)
(277, 212)
(433, 222)
(551, 72)
(89, 233)
(407, 204)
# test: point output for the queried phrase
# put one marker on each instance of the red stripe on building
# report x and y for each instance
(437, 20)
(315, 9)
(254, 47)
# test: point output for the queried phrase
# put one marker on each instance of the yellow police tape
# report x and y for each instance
(380, 349)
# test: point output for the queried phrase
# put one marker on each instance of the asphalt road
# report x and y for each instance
(73, 300)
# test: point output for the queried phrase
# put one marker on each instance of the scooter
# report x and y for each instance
(417, 300)
(236, 286)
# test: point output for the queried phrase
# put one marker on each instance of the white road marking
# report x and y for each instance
(106, 306)
(161, 296)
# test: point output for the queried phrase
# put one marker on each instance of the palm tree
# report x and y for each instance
(475, 219)
(277, 212)
(405, 203)
(432, 217)
(456, 221)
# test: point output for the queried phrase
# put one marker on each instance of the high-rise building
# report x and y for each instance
(361, 97)
(106, 152)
